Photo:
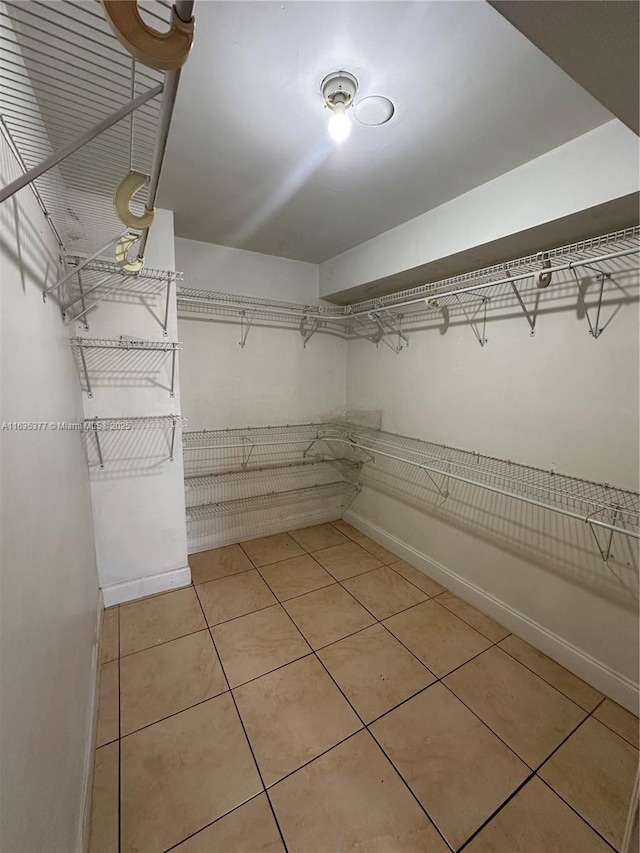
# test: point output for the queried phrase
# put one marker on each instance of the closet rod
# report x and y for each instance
(184, 10)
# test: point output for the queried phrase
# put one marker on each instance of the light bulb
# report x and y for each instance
(339, 123)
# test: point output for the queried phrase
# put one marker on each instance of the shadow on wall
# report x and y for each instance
(22, 242)
(124, 368)
(555, 543)
(128, 451)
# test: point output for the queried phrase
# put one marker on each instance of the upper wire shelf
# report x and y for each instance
(382, 318)
(113, 268)
(89, 281)
(124, 344)
(64, 72)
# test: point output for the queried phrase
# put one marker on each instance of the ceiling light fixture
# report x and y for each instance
(338, 90)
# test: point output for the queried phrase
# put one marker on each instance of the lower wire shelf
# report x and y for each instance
(227, 522)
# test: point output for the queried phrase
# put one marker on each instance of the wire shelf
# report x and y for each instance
(148, 422)
(222, 438)
(576, 253)
(200, 300)
(124, 344)
(112, 268)
(338, 492)
(63, 73)
(292, 469)
(605, 249)
(596, 503)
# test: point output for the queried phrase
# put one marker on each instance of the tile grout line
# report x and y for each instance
(509, 634)
(206, 826)
(365, 725)
(462, 619)
(365, 728)
(164, 642)
(246, 734)
(575, 811)
(441, 680)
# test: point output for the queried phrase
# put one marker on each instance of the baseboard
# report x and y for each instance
(118, 593)
(93, 722)
(605, 679)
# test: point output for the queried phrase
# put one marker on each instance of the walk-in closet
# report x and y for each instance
(320, 511)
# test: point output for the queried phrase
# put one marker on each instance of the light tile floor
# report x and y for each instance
(313, 693)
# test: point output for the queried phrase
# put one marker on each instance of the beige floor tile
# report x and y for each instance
(255, 644)
(436, 636)
(327, 615)
(319, 536)
(161, 681)
(218, 563)
(622, 722)
(527, 713)
(594, 771)
(459, 770)
(272, 549)
(377, 550)
(107, 728)
(351, 799)
(109, 641)
(346, 528)
(417, 578)
(293, 715)
(384, 592)
(160, 618)
(103, 827)
(295, 577)
(536, 821)
(478, 620)
(182, 773)
(374, 671)
(345, 561)
(237, 595)
(247, 829)
(563, 680)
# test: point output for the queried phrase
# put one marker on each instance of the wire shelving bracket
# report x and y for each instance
(606, 509)
(98, 425)
(111, 278)
(127, 345)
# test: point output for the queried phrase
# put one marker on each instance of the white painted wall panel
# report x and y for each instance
(49, 580)
(558, 400)
(138, 498)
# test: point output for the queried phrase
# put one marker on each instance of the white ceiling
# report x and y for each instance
(250, 164)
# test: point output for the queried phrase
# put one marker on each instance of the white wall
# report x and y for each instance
(211, 267)
(49, 585)
(595, 168)
(138, 498)
(559, 399)
(273, 379)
